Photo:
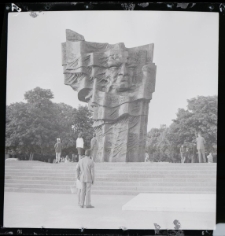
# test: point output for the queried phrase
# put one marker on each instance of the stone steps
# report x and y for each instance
(124, 182)
(117, 176)
(117, 170)
(108, 165)
(105, 184)
(145, 171)
(111, 192)
(112, 178)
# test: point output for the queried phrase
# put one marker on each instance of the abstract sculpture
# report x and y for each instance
(117, 83)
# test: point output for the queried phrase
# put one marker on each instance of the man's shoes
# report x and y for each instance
(81, 206)
(90, 206)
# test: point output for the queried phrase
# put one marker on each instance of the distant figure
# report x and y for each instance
(79, 186)
(192, 152)
(147, 159)
(85, 173)
(66, 159)
(187, 154)
(94, 147)
(73, 158)
(58, 150)
(201, 148)
(210, 158)
(182, 153)
(80, 145)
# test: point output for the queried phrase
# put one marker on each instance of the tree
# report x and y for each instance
(205, 112)
(33, 127)
(157, 143)
(200, 115)
(64, 118)
(152, 140)
(83, 123)
(16, 119)
(39, 97)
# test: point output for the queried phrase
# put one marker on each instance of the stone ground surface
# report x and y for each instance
(172, 202)
(34, 210)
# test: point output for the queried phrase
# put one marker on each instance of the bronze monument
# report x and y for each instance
(117, 84)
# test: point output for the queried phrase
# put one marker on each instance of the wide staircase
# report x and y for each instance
(112, 178)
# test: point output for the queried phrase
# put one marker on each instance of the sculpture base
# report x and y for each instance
(122, 141)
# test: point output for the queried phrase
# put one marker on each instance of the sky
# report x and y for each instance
(185, 53)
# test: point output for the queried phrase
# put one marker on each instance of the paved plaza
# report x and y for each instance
(33, 210)
(172, 202)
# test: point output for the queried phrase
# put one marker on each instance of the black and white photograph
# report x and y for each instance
(111, 120)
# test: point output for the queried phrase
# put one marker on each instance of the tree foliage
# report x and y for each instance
(33, 127)
(200, 116)
(83, 123)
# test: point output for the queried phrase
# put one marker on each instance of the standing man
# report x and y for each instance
(192, 152)
(187, 153)
(73, 157)
(94, 147)
(58, 150)
(182, 153)
(210, 158)
(201, 148)
(85, 173)
(80, 145)
(147, 157)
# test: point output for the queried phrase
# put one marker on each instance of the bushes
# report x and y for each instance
(36, 157)
(44, 158)
(22, 156)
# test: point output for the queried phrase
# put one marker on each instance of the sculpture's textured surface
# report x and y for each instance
(117, 83)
